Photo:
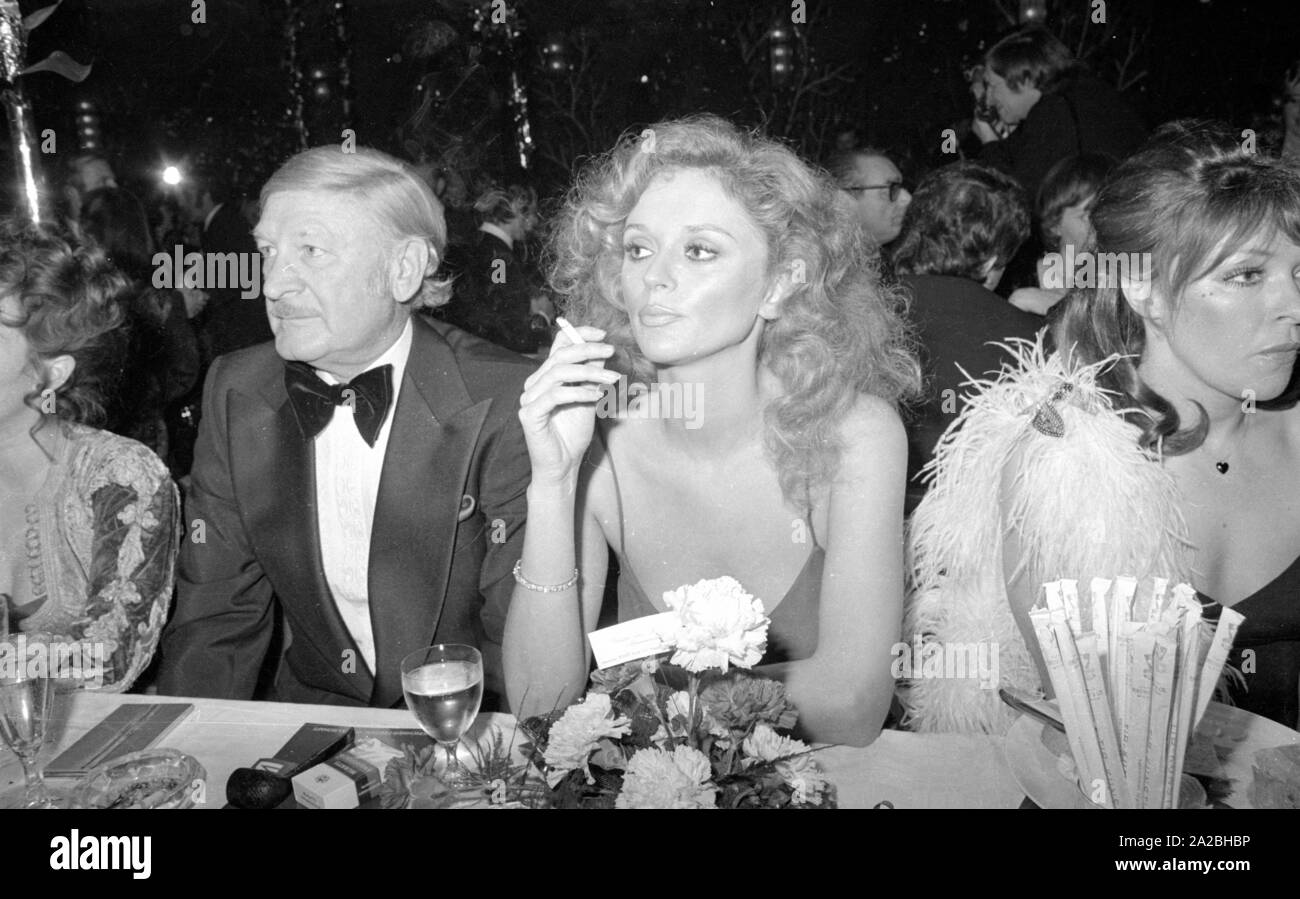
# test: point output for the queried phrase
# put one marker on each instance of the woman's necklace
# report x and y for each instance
(1222, 464)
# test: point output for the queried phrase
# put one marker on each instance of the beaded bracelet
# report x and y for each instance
(541, 588)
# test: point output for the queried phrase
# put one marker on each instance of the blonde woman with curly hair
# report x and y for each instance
(702, 261)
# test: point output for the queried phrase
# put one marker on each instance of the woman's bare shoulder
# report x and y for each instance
(872, 426)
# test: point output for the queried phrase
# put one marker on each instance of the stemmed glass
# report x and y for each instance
(444, 686)
(26, 706)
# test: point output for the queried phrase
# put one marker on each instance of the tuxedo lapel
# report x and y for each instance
(435, 430)
(274, 472)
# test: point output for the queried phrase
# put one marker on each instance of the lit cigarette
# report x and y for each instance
(569, 330)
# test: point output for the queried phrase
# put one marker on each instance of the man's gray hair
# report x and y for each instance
(396, 197)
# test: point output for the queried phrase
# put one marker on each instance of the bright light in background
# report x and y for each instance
(171, 175)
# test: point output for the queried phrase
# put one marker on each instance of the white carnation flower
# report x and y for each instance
(574, 737)
(656, 778)
(804, 777)
(766, 745)
(719, 625)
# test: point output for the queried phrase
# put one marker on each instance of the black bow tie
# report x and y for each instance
(369, 394)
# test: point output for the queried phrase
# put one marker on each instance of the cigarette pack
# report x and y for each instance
(345, 781)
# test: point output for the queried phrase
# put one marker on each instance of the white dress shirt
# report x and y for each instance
(347, 488)
(498, 232)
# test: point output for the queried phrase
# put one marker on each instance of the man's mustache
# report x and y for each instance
(280, 310)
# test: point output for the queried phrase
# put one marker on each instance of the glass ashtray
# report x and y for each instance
(153, 778)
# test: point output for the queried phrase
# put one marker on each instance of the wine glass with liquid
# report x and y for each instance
(444, 686)
(26, 706)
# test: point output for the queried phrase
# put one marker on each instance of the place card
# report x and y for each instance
(635, 639)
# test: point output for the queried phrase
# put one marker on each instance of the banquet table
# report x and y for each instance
(907, 770)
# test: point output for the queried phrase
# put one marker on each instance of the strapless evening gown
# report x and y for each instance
(1271, 632)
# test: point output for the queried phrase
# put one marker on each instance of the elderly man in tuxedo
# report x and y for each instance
(365, 474)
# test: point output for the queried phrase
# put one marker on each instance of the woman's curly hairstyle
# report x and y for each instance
(67, 297)
(1190, 197)
(841, 332)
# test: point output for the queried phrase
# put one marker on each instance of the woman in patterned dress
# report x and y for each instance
(89, 521)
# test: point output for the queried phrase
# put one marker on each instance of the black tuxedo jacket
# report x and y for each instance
(448, 527)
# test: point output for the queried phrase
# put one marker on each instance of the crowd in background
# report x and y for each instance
(1043, 136)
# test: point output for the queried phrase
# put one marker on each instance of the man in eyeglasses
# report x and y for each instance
(876, 188)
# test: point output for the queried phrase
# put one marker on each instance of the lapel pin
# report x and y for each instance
(467, 507)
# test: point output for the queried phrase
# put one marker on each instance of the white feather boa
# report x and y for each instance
(1089, 503)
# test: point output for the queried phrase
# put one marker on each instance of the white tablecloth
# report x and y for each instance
(906, 769)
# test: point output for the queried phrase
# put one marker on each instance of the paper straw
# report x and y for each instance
(1224, 634)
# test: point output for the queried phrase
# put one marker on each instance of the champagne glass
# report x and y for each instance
(444, 686)
(26, 706)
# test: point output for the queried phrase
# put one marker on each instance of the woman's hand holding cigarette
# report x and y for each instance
(557, 408)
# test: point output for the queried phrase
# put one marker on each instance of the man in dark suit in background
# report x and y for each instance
(496, 291)
(1057, 108)
(965, 224)
(365, 475)
(231, 321)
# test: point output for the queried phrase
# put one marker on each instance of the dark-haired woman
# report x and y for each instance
(89, 521)
(1163, 440)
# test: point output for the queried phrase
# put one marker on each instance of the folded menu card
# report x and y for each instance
(130, 727)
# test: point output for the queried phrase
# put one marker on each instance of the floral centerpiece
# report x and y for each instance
(697, 731)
